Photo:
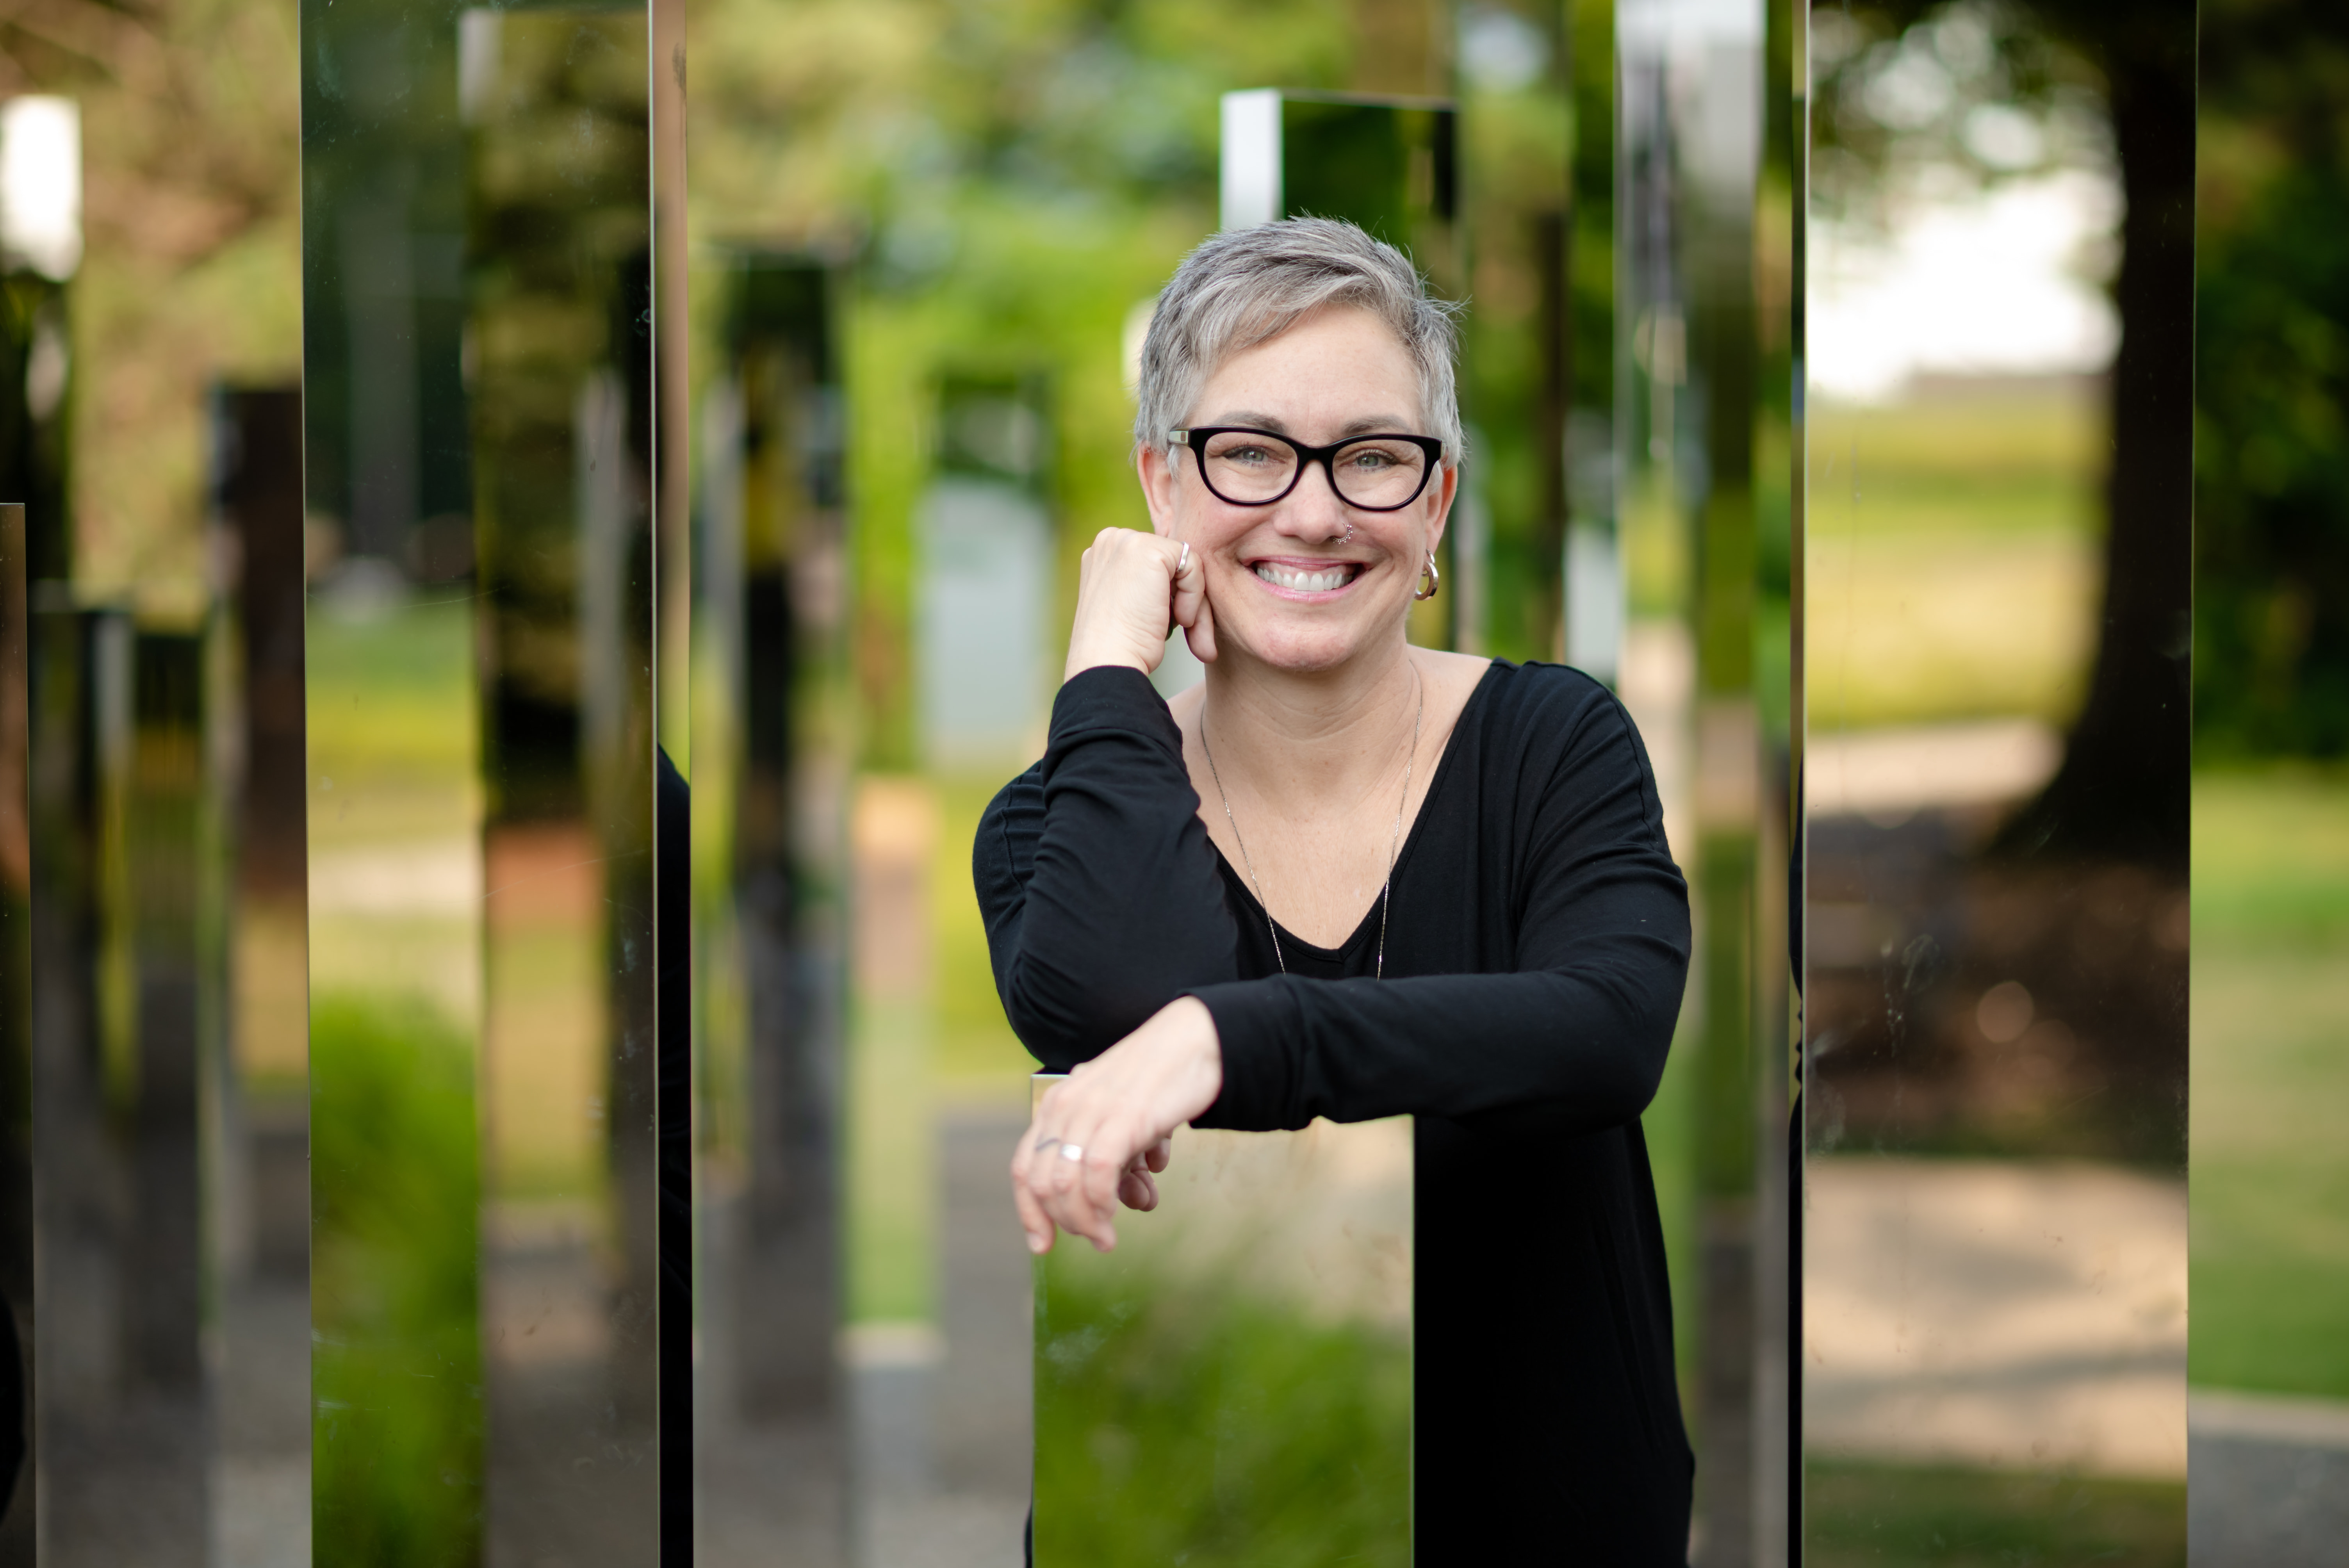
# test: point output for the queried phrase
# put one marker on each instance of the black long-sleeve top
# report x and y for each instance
(1535, 950)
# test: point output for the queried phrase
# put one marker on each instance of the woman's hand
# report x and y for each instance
(1098, 1135)
(1129, 593)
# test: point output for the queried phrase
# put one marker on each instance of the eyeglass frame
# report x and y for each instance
(1306, 458)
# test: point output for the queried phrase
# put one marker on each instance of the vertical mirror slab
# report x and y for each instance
(1703, 407)
(127, 1025)
(1520, 131)
(17, 1428)
(1233, 1383)
(395, 794)
(770, 722)
(259, 1182)
(560, 334)
(1996, 654)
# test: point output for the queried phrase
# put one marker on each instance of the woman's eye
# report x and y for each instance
(1248, 455)
(1372, 460)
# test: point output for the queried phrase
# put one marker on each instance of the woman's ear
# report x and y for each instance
(1155, 466)
(1441, 494)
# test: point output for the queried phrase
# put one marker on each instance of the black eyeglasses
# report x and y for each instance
(1257, 467)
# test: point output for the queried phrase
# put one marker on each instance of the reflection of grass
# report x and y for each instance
(1903, 1516)
(2271, 993)
(1185, 1423)
(1951, 558)
(395, 1186)
(383, 692)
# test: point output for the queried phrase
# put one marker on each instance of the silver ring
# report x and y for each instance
(1045, 1142)
(1183, 561)
(1071, 1151)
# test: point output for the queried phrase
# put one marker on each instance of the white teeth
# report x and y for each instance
(1301, 581)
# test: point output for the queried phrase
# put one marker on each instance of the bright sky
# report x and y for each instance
(1986, 283)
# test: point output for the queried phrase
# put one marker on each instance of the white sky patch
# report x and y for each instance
(1969, 283)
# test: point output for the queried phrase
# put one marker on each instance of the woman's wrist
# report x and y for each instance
(1201, 1057)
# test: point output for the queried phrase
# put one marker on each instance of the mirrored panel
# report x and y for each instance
(770, 736)
(483, 944)
(1996, 582)
(559, 325)
(1233, 1384)
(1699, 457)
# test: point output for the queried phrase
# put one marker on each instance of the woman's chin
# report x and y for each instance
(1304, 650)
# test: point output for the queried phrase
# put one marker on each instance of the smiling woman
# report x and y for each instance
(1348, 878)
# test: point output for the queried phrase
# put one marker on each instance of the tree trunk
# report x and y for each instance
(2121, 791)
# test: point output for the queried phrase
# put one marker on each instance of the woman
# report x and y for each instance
(1350, 878)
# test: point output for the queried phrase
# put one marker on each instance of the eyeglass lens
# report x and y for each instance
(1246, 467)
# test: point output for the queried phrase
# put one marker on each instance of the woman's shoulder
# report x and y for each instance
(1539, 699)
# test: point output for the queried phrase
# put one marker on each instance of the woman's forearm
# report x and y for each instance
(1121, 908)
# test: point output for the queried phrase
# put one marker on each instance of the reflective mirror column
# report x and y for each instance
(1703, 482)
(771, 732)
(1997, 580)
(486, 1096)
(1233, 1384)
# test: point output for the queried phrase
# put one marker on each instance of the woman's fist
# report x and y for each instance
(1131, 589)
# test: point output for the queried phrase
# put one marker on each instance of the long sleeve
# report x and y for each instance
(1540, 930)
(1097, 880)
(1592, 955)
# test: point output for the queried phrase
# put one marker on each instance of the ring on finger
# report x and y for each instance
(1071, 1151)
(1045, 1142)
(1183, 561)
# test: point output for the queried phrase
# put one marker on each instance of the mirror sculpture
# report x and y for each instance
(1234, 1381)
(1996, 620)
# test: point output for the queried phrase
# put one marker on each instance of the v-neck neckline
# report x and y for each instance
(1363, 927)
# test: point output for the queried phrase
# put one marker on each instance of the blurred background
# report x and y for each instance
(921, 238)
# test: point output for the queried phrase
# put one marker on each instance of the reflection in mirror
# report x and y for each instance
(1996, 576)
(394, 795)
(561, 382)
(120, 808)
(260, 1203)
(16, 1201)
(769, 761)
(1233, 1384)
(1702, 447)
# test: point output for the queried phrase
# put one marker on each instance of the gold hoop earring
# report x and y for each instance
(1435, 579)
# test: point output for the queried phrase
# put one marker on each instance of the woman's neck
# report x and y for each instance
(1315, 740)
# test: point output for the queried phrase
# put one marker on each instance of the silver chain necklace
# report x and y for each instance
(1394, 841)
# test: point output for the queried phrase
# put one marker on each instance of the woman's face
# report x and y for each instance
(1286, 584)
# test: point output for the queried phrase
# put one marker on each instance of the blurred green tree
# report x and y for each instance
(2271, 441)
(191, 254)
(2011, 87)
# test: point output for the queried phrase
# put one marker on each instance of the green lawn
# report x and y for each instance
(1923, 1516)
(1951, 559)
(2271, 1019)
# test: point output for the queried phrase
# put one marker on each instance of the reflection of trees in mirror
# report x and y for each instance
(1994, 91)
(1179, 1419)
(2272, 463)
(395, 1185)
(1900, 1516)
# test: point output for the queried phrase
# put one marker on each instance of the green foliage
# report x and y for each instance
(190, 265)
(2272, 448)
(395, 1185)
(2270, 987)
(1183, 1421)
(1924, 1516)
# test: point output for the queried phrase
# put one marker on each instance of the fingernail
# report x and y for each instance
(1036, 1244)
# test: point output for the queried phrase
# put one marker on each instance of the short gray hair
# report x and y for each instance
(1246, 286)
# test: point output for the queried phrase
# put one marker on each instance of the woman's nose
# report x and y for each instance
(1312, 512)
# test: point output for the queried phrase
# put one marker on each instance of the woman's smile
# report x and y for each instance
(1305, 578)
